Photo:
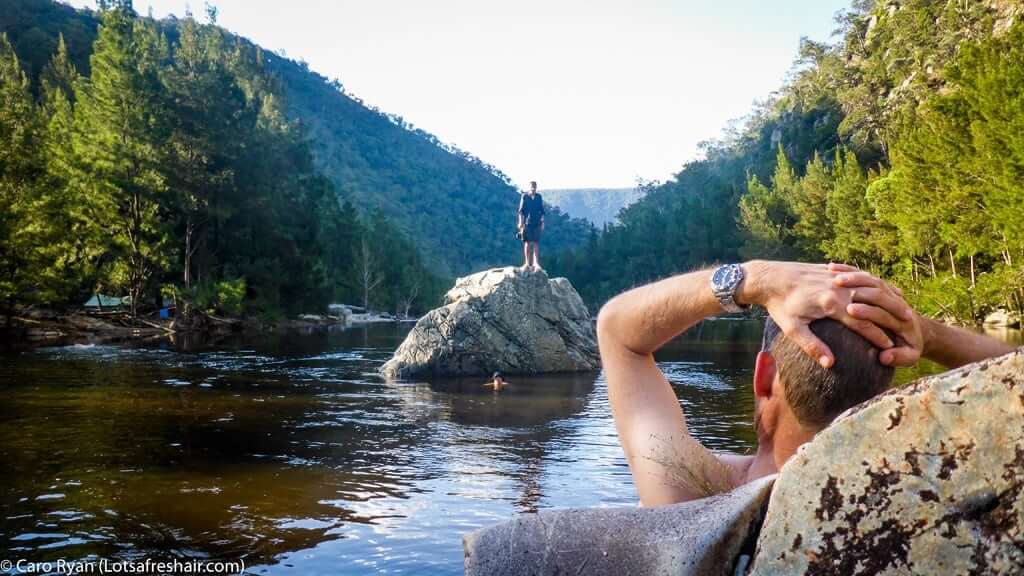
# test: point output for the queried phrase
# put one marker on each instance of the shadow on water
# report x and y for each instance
(290, 452)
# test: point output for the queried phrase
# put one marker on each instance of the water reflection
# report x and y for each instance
(289, 452)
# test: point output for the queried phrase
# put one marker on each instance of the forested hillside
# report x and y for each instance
(460, 211)
(144, 157)
(898, 147)
(172, 169)
(599, 206)
(457, 210)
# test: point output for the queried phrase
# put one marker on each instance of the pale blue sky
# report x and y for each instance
(571, 93)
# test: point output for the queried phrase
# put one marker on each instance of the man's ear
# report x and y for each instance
(764, 375)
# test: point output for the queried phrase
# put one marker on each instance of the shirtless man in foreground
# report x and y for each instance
(840, 333)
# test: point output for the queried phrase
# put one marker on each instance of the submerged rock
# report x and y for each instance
(501, 319)
(926, 479)
(702, 537)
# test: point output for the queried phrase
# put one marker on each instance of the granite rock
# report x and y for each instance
(926, 479)
(702, 537)
(501, 319)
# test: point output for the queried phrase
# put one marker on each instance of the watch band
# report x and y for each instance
(725, 282)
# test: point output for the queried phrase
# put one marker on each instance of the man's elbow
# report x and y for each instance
(608, 320)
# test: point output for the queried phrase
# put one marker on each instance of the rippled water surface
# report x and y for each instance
(291, 453)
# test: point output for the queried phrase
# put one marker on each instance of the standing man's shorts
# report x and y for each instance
(531, 234)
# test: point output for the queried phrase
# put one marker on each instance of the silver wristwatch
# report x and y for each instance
(724, 283)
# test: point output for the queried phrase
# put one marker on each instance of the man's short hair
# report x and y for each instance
(817, 395)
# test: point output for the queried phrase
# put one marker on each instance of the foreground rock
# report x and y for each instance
(928, 479)
(501, 319)
(694, 538)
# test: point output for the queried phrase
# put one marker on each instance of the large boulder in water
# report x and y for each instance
(501, 319)
(927, 479)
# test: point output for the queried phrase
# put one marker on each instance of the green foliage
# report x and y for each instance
(231, 295)
(228, 296)
(176, 161)
(899, 149)
(120, 124)
(24, 230)
(768, 216)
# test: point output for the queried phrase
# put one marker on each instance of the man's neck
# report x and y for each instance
(762, 465)
(772, 453)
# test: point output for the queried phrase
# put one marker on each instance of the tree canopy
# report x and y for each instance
(897, 148)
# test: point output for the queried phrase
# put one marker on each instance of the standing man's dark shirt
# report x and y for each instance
(532, 209)
(531, 224)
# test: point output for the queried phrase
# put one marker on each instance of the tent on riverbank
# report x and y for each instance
(101, 302)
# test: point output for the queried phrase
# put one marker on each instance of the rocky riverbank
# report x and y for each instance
(39, 326)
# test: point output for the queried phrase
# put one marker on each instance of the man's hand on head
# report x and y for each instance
(875, 301)
(796, 294)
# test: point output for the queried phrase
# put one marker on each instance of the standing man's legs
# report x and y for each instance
(536, 255)
(526, 255)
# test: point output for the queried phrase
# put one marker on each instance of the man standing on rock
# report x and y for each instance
(834, 336)
(531, 225)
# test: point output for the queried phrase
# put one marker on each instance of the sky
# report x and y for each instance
(570, 93)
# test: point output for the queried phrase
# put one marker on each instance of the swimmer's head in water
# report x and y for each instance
(498, 376)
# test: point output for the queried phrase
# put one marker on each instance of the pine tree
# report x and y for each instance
(767, 216)
(79, 241)
(808, 202)
(853, 219)
(59, 75)
(210, 121)
(24, 230)
(120, 127)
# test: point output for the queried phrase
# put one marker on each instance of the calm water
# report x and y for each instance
(290, 453)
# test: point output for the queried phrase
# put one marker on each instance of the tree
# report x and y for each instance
(808, 202)
(856, 231)
(209, 121)
(369, 275)
(23, 227)
(120, 121)
(410, 291)
(766, 214)
(79, 242)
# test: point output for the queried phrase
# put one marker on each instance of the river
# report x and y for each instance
(289, 452)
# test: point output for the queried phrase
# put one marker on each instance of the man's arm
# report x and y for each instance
(650, 422)
(953, 347)
(519, 217)
(874, 298)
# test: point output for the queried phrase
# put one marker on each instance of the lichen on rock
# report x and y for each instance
(926, 479)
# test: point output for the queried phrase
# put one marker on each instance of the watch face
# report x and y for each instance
(725, 277)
